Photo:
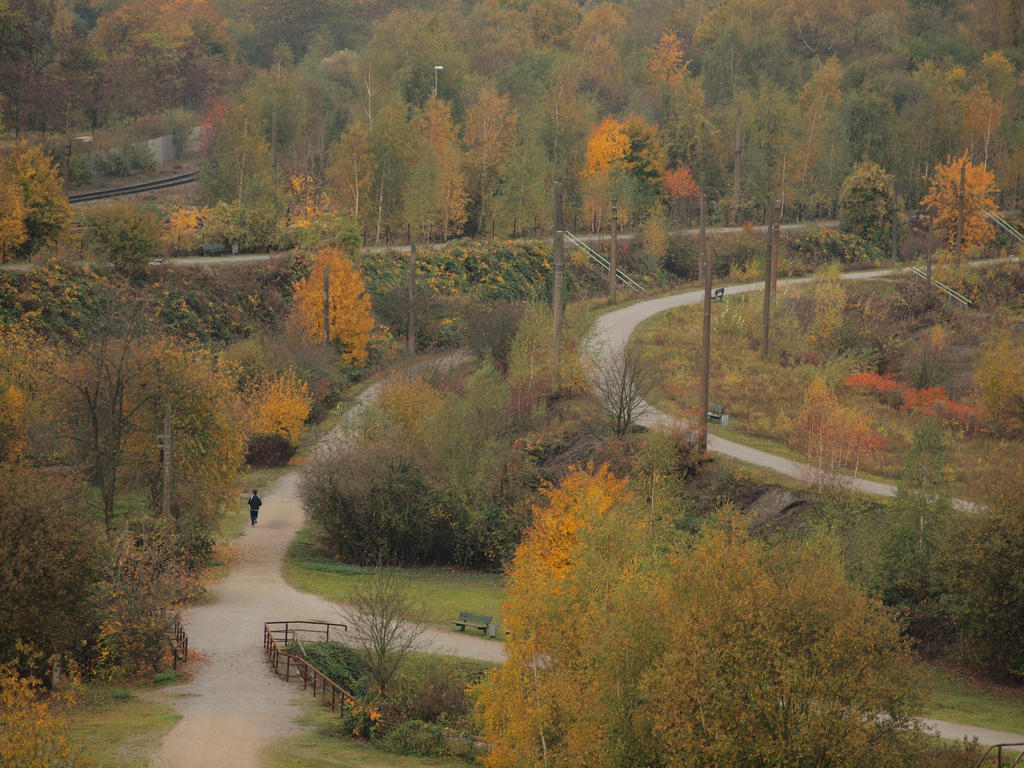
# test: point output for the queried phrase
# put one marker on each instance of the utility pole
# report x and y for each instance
(558, 257)
(776, 236)
(737, 155)
(327, 305)
(895, 223)
(412, 296)
(960, 213)
(67, 148)
(931, 245)
(613, 268)
(705, 357)
(164, 441)
(768, 281)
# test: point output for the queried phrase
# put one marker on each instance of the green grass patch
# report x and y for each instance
(118, 727)
(321, 746)
(444, 592)
(957, 698)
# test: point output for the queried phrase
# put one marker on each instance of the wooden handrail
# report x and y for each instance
(311, 676)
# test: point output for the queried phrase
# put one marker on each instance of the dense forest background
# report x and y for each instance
(455, 117)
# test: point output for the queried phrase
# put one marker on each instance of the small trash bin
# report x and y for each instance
(725, 420)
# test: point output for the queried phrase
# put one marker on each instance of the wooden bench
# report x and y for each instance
(475, 620)
(715, 414)
(718, 294)
(209, 249)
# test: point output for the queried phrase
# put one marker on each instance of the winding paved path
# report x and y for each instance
(234, 706)
(613, 329)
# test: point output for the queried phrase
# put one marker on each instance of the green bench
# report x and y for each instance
(474, 620)
(718, 294)
(209, 249)
(715, 414)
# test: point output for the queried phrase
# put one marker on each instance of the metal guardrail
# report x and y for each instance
(133, 189)
(999, 755)
(276, 637)
(621, 276)
(942, 286)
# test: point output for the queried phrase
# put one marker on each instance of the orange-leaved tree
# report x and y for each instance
(961, 213)
(349, 312)
(277, 404)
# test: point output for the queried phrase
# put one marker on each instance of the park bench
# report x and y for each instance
(209, 249)
(715, 414)
(475, 620)
(718, 294)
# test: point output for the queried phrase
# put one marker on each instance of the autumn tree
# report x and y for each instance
(125, 234)
(489, 139)
(51, 557)
(350, 316)
(866, 204)
(628, 649)
(45, 210)
(12, 218)
(276, 408)
(960, 214)
(436, 197)
(33, 724)
(998, 376)
(239, 167)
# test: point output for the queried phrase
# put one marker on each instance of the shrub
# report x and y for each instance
(126, 234)
(415, 737)
(825, 246)
(272, 450)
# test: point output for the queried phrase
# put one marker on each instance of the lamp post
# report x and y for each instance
(437, 68)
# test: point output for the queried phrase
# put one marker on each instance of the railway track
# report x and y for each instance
(134, 189)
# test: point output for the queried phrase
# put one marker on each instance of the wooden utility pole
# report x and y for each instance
(960, 213)
(895, 223)
(67, 148)
(165, 454)
(613, 261)
(327, 305)
(931, 244)
(776, 236)
(412, 296)
(558, 257)
(737, 155)
(705, 357)
(768, 281)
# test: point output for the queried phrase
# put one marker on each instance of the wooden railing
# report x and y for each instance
(179, 644)
(277, 635)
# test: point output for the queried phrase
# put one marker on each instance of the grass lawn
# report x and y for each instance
(118, 727)
(766, 400)
(957, 698)
(321, 747)
(444, 592)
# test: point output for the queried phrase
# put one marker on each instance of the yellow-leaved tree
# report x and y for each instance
(964, 218)
(277, 404)
(33, 724)
(632, 643)
(349, 311)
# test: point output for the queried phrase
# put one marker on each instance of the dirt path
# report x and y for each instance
(234, 706)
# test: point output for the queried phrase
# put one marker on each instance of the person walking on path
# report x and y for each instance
(255, 502)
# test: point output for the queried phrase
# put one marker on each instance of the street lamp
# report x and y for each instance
(437, 68)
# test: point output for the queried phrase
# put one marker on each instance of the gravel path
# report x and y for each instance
(234, 706)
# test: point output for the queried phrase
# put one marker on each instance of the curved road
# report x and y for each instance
(613, 329)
